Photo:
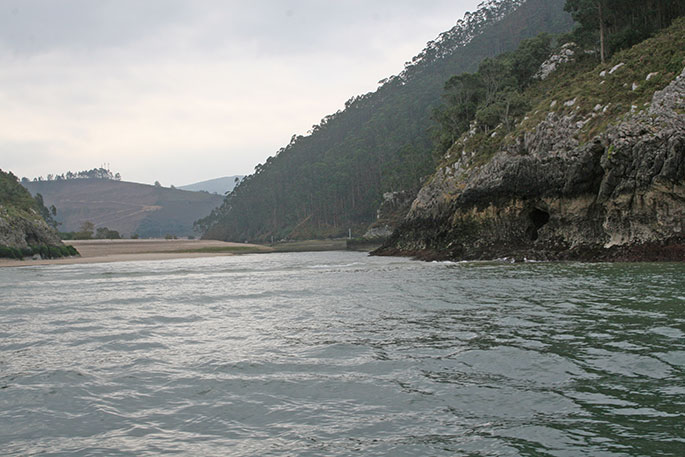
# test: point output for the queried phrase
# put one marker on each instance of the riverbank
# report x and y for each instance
(102, 251)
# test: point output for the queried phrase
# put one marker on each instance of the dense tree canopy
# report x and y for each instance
(491, 96)
(618, 24)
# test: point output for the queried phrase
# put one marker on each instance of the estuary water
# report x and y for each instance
(337, 353)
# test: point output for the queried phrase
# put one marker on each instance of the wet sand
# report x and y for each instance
(99, 251)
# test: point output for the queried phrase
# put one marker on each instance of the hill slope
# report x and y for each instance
(127, 207)
(595, 170)
(214, 186)
(334, 178)
(21, 224)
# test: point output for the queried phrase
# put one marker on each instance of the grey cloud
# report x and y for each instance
(273, 26)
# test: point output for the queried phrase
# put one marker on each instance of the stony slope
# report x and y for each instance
(596, 171)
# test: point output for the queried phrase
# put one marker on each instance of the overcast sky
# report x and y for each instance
(182, 91)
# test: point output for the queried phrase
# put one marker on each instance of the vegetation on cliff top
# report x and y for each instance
(592, 93)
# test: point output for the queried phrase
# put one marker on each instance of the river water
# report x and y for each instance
(336, 353)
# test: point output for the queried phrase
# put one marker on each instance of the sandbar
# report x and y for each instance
(103, 251)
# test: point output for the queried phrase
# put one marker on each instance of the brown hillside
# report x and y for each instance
(124, 206)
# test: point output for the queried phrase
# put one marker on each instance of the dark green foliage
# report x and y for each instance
(491, 96)
(45, 252)
(46, 213)
(10, 252)
(612, 25)
(103, 233)
(54, 252)
(12, 193)
(333, 179)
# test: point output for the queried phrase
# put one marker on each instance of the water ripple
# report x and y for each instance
(341, 354)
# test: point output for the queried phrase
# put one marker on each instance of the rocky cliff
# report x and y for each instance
(573, 181)
(23, 231)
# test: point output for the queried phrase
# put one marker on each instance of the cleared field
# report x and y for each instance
(127, 207)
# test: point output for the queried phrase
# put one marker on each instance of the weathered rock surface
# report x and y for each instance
(389, 215)
(620, 196)
(566, 54)
(19, 230)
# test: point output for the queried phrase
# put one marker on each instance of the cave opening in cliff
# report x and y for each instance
(538, 218)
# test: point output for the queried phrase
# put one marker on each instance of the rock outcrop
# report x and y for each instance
(547, 195)
(389, 215)
(21, 230)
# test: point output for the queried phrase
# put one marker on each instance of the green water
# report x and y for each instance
(341, 354)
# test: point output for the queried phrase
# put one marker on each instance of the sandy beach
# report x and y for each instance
(99, 251)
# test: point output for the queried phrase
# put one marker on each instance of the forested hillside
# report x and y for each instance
(333, 178)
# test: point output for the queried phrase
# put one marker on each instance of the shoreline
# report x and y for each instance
(107, 251)
(127, 250)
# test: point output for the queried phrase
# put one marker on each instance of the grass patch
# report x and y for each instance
(218, 250)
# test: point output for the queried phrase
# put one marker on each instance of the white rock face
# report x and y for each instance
(565, 54)
(613, 70)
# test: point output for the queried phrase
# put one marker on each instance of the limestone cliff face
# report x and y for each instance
(547, 195)
(21, 229)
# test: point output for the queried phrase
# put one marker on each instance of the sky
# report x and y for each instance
(181, 91)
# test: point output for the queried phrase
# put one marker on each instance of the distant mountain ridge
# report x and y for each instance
(129, 208)
(214, 186)
(334, 178)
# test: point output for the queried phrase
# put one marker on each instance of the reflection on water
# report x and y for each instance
(342, 354)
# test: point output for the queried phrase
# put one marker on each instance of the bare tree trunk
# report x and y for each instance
(602, 27)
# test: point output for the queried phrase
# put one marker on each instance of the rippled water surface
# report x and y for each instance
(342, 354)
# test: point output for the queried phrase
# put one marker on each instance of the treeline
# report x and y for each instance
(95, 173)
(492, 96)
(333, 179)
(87, 231)
(612, 25)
